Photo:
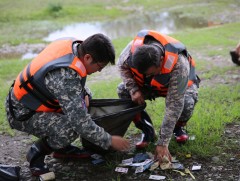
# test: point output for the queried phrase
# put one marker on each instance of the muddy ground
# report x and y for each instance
(224, 167)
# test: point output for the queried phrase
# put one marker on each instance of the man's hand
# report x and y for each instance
(119, 143)
(162, 151)
(138, 98)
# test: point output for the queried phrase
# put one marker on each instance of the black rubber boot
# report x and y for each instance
(36, 156)
(144, 123)
(180, 135)
(71, 152)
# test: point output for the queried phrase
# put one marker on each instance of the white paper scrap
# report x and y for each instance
(127, 161)
(142, 163)
(157, 177)
(196, 167)
(139, 169)
(121, 169)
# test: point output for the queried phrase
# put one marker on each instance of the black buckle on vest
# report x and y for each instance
(36, 93)
(24, 84)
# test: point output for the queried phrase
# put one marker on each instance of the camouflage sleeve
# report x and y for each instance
(125, 71)
(174, 99)
(65, 85)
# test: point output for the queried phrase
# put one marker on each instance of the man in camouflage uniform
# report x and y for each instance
(143, 65)
(58, 121)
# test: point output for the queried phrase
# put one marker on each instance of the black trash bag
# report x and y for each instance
(114, 115)
(235, 57)
(9, 173)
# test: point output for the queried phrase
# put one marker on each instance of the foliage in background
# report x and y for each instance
(33, 23)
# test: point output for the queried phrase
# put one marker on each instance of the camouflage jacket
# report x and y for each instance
(65, 85)
(175, 95)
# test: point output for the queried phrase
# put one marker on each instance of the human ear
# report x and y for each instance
(87, 58)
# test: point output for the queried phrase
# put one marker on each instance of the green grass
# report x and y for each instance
(216, 107)
(29, 21)
(8, 71)
(218, 104)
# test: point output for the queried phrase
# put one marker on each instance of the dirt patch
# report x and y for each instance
(220, 167)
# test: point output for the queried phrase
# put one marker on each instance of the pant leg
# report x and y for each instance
(54, 126)
(191, 98)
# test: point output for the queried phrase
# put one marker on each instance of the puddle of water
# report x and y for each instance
(165, 23)
(29, 55)
(78, 30)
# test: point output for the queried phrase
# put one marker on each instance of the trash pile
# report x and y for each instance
(145, 161)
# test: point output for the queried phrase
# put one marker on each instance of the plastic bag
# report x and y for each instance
(114, 115)
(9, 173)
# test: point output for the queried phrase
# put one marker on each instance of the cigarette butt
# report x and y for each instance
(47, 176)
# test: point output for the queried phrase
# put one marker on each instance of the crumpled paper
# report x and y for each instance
(166, 164)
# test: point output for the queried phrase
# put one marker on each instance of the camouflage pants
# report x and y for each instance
(54, 126)
(190, 99)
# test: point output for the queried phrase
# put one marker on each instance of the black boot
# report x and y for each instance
(71, 152)
(145, 124)
(36, 156)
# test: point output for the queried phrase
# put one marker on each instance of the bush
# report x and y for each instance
(54, 9)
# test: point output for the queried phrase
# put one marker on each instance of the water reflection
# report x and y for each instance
(29, 55)
(163, 22)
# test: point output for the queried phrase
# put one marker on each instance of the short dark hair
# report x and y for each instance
(146, 56)
(99, 47)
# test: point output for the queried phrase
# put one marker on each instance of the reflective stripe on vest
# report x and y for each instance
(29, 87)
(172, 48)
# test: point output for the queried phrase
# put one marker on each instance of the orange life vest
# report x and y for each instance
(29, 87)
(172, 48)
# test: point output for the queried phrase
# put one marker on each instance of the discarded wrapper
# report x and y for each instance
(177, 166)
(174, 160)
(121, 169)
(196, 167)
(140, 157)
(188, 171)
(47, 176)
(154, 166)
(166, 164)
(141, 163)
(157, 177)
(148, 165)
(139, 169)
(188, 155)
(127, 162)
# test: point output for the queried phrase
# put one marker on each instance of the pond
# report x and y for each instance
(163, 22)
